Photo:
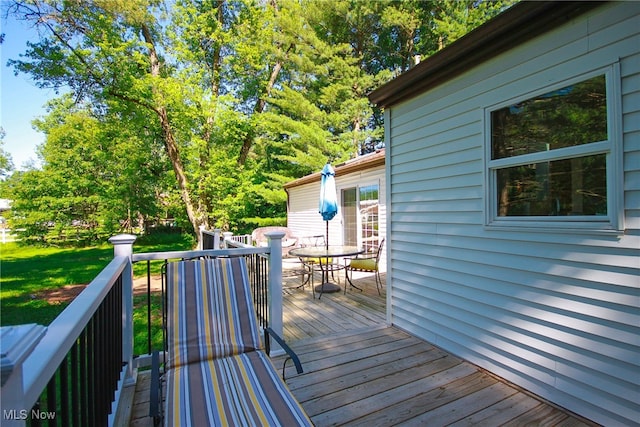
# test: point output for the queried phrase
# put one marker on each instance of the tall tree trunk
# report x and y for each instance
(258, 109)
(195, 217)
(262, 100)
(215, 65)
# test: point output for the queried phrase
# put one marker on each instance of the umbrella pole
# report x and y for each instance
(326, 239)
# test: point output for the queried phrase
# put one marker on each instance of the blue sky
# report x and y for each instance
(21, 101)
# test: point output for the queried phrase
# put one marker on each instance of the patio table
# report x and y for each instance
(326, 252)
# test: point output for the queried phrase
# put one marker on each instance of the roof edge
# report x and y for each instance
(502, 33)
(371, 160)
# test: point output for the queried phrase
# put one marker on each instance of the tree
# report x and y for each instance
(6, 163)
(96, 176)
(455, 18)
(108, 53)
(239, 96)
(115, 53)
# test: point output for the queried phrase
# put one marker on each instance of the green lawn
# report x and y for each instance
(26, 273)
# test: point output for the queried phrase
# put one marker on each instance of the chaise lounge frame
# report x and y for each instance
(217, 371)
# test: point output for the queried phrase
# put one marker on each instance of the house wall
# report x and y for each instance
(302, 211)
(557, 313)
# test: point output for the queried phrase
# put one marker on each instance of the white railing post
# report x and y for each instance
(275, 284)
(123, 246)
(201, 239)
(226, 236)
(216, 238)
(16, 344)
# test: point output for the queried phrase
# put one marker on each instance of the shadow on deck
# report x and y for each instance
(359, 371)
(306, 317)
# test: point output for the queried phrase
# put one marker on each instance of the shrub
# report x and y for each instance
(247, 225)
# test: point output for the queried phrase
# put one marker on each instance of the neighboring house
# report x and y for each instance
(361, 190)
(513, 194)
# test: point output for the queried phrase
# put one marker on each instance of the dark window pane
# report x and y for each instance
(562, 187)
(573, 115)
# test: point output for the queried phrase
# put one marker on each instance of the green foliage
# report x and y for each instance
(140, 323)
(6, 163)
(455, 18)
(84, 190)
(162, 241)
(201, 111)
(247, 225)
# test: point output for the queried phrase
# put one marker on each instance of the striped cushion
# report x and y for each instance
(241, 390)
(210, 311)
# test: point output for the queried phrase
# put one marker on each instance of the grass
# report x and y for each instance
(140, 323)
(27, 272)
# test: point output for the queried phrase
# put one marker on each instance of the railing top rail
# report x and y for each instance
(65, 329)
(239, 244)
(152, 256)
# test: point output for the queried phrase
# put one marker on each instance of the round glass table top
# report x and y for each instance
(323, 251)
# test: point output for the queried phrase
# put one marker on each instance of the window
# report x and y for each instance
(360, 214)
(551, 158)
(369, 217)
(350, 216)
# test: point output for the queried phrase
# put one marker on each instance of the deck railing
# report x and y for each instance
(209, 239)
(257, 262)
(216, 239)
(230, 239)
(77, 366)
(259, 270)
(75, 369)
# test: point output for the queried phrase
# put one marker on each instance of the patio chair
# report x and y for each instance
(216, 370)
(259, 238)
(369, 262)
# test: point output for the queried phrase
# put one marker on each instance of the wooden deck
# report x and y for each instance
(306, 317)
(359, 371)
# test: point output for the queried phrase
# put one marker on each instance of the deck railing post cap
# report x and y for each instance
(16, 343)
(123, 239)
(275, 234)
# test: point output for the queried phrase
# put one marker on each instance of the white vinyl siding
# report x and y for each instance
(302, 213)
(557, 313)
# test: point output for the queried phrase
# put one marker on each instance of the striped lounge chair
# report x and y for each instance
(217, 371)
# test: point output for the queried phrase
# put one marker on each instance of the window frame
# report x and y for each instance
(359, 223)
(611, 147)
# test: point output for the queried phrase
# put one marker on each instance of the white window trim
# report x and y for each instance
(613, 222)
(358, 186)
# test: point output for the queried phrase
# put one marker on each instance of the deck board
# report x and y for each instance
(361, 372)
(305, 316)
(383, 376)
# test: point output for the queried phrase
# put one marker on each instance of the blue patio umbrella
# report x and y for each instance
(328, 203)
